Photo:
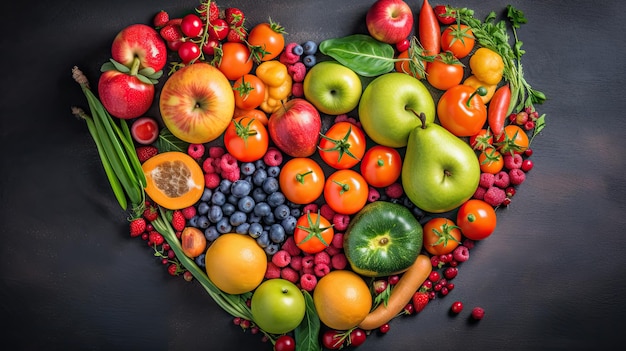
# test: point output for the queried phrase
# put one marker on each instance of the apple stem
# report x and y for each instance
(134, 69)
(422, 117)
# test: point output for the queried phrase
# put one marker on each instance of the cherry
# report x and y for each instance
(478, 313)
(527, 165)
(457, 307)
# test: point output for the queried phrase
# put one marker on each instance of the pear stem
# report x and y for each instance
(422, 118)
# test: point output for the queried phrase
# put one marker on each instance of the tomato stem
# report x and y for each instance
(300, 176)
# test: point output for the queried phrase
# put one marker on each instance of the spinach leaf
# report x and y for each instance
(363, 54)
(306, 334)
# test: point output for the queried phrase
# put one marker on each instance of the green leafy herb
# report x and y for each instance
(540, 123)
(168, 142)
(306, 334)
(361, 53)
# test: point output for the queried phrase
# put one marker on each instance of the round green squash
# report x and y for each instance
(382, 239)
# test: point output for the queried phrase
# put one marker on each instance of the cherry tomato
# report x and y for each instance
(191, 25)
(235, 60)
(441, 236)
(491, 161)
(188, 51)
(357, 337)
(461, 110)
(445, 72)
(332, 340)
(381, 166)
(249, 92)
(477, 219)
(313, 233)
(481, 140)
(345, 191)
(246, 139)
(513, 140)
(458, 39)
(343, 145)
(302, 180)
(285, 343)
(218, 30)
(253, 113)
(269, 38)
(444, 15)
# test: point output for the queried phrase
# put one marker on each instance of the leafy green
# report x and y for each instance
(168, 142)
(306, 334)
(361, 53)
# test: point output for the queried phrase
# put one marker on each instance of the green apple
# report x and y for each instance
(277, 306)
(390, 107)
(332, 88)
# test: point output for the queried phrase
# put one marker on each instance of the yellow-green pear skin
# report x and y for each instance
(440, 171)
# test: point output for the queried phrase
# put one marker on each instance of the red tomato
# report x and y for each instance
(235, 60)
(481, 140)
(249, 92)
(253, 113)
(345, 191)
(246, 139)
(513, 140)
(445, 72)
(491, 161)
(459, 40)
(461, 111)
(188, 52)
(343, 145)
(441, 236)
(313, 233)
(268, 38)
(381, 166)
(416, 70)
(301, 180)
(477, 219)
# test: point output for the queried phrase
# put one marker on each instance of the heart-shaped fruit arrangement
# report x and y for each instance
(316, 190)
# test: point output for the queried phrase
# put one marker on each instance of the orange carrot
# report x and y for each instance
(429, 30)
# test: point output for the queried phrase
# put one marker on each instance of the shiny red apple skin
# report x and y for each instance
(389, 21)
(142, 41)
(295, 128)
(124, 96)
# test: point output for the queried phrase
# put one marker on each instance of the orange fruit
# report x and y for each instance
(235, 263)
(342, 299)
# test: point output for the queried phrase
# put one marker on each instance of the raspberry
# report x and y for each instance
(372, 194)
(290, 274)
(469, 243)
(308, 282)
(297, 89)
(341, 118)
(517, 176)
(233, 175)
(189, 212)
(196, 151)
(326, 211)
(331, 250)
(494, 196)
(307, 270)
(146, 152)
(212, 180)
(155, 238)
(273, 157)
(281, 259)
(288, 57)
(486, 180)
(337, 240)
(297, 71)
(321, 258)
(216, 151)
(207, 165)
(513, 161)
(308, 261)
(321, 269)
(394, 191)
(339, 261)
(501, 180)
(310, 208)
(461, 253)
(340, 221)
(290, 246)
(296, 263)
(228, 163)
(273, 271)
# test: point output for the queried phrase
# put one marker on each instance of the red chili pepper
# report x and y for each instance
(429, 30)
(497, 110)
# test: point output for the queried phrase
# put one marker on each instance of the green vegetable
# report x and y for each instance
(361, 53)
(306, 334)
(168, 142)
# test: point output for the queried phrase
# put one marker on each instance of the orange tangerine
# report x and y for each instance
(342, 299)
(235, 263)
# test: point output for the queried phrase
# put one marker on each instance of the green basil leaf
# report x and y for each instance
(361, 53)
(306, 334)
(168, 142)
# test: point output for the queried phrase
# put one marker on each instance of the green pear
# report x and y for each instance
(440, 171)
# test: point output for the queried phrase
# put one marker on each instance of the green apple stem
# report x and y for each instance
(134, 68)
(481, 90)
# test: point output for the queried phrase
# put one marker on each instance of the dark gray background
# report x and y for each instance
(551, 277)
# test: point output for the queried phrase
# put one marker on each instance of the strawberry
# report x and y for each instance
(161, 19)
(146, 152)
(178, 220)
(150, 213)
(420, 300)
(171, 33)
(234, 16)
(137, 227)
(189, 212)
(214, 11)
(155, 238)
(172, 269)
(236, 34)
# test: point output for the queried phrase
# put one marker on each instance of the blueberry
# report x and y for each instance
(262, 209)
(309, 47)
(203, 222)
(269, 218)
(273, 171)
(258, 194)
(240, 188)
(246, 204)
(260, 164)
(228, 209)
(232, 199)
(247, 168)
(272, 248)
(223, 226)
(242, 228)
(270, 185)
(293, 204)
(296, 212)
(193, 221)
(281, 212)
(203, 207)
(211, 233)
(253, 218)
(309, 61)
(215, 214)
(218, 198)
(277, 233)
(276, 199)
(237, 218)
(206, 194)
(225, 186)
(259, 176)
(298, 50)
(255, 230)
(289, 224)
(200, 260)
(264, 239)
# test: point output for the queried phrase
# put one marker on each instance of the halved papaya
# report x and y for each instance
(174, 180)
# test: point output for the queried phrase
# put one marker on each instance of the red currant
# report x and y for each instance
(434, 276)
(528, 152)
(450, 272)
(478, 313)
(527, 165)
(394, 279)
(384, 328)
(457, 307)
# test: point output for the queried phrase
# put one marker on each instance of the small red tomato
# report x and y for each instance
(191, 25)
(445, 72)
(381, 166)
(313, 233)
(145, 130)
(477, 219)
(444, 15)
(458, 39)
(188, 51)
(218, 29)
(246, 139)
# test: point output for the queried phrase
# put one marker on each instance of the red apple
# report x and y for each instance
(142, 41)
(389, 21)
(124, 95)
(295, 128)
(197, 103)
